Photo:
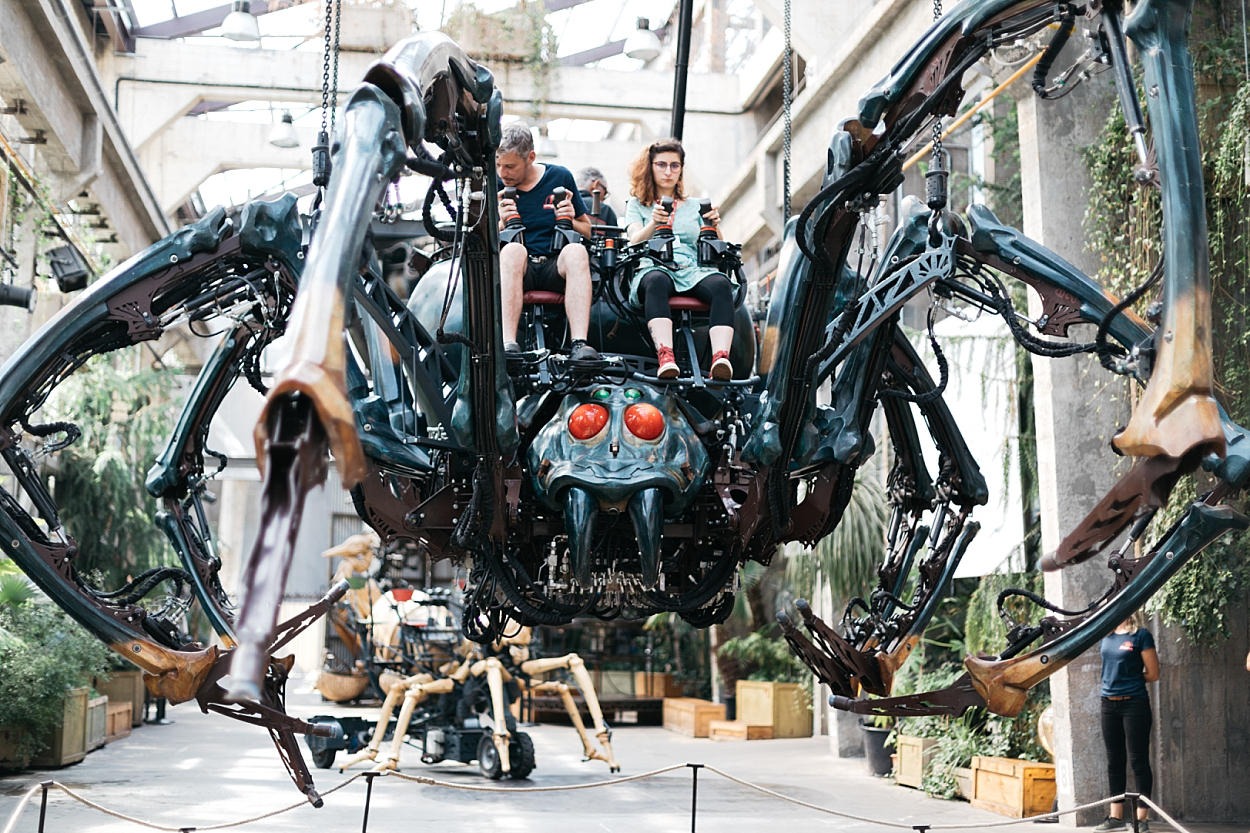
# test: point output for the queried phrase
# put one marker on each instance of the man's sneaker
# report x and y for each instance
(1143, 826)
(1109, 823)
(668, 363)
(582, 352)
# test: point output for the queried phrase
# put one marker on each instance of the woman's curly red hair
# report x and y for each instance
(642, 181)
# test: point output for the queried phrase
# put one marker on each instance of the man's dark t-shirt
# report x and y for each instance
(540, 221)
(607, 214)
(1123, 671)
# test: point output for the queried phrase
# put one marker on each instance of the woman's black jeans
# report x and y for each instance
(1126, 734)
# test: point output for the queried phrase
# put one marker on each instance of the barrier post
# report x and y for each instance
(369, 776)
(1132, 809)
(43, 803)
(694, 793)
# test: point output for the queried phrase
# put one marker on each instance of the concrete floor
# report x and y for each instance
(206, 770)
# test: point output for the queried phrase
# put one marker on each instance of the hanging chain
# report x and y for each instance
(937, 176)
(325, 70)
(334, 75)
(329, 103)
(787, 93)
(937, 124)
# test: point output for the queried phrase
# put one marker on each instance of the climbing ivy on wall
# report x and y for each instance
(1123, 226)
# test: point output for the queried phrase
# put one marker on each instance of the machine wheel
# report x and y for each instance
(323, 758)
(488, 757)
(522, 752)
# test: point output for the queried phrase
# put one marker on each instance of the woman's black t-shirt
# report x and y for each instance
(1123, 671)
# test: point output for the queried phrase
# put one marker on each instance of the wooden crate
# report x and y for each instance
(609, 684)
(656, 684)
(68, 744)
(11, 737)
(1013, 787)
(783, 706)
(97, 721)
(738, 730)
(118, 722)
(691, 716)
(963, 782)
(914, 755)
(124, 687)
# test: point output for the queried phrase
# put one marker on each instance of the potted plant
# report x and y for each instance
(46, 660)
(879, 743)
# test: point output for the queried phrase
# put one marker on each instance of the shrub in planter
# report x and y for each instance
(43, 654)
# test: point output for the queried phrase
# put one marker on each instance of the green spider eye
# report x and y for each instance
(602, 393)
(633, 393)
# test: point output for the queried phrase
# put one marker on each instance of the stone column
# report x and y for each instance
(1078, 408)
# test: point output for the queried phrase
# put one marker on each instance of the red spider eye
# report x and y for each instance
(587, 420)
(646, 422)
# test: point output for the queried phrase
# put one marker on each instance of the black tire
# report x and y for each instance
(323, 758)
(521, 750)
(488, 757)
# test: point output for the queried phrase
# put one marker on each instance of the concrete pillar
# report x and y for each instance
(1077, 411)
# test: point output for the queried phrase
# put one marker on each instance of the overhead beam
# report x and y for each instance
(49, 65)
(197, 22)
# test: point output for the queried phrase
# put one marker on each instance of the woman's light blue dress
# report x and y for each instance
(686, 223)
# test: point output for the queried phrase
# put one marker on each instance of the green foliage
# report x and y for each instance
(763, 655)
(845, 561)
(125, 417)
(43, 654)
(1198, 598)
(1005, 192)
(965, 619)
(985, 631)
(680, 649)
(15, 589)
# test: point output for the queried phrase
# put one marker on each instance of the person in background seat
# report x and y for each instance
(590, 180)
(658, 173)
(533, 265)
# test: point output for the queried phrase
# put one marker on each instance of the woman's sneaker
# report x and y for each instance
(580, 351)
(1109, 823)
(668, 363)
(722, 368)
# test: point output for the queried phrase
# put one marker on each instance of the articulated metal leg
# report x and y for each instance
(493, 669)
(370, 752)
(577, 667)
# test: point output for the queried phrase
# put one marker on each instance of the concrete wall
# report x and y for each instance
(1201, 704)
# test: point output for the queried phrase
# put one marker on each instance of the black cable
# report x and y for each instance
(1047, 60)
(1108, 351)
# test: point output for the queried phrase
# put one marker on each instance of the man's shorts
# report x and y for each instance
(542, 275)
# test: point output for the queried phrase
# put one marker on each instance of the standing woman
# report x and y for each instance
(1129, 661)
(656, 173)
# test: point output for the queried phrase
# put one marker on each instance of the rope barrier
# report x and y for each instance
(21, 805)
(432, 782)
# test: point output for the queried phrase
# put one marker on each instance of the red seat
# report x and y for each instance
(542, 296)
(686, 302)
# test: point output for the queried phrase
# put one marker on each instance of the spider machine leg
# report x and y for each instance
(577, 667)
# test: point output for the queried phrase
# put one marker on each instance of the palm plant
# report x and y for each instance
(124, 416)
(844, 562)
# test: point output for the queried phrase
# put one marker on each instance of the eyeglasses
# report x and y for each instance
(668, 166)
